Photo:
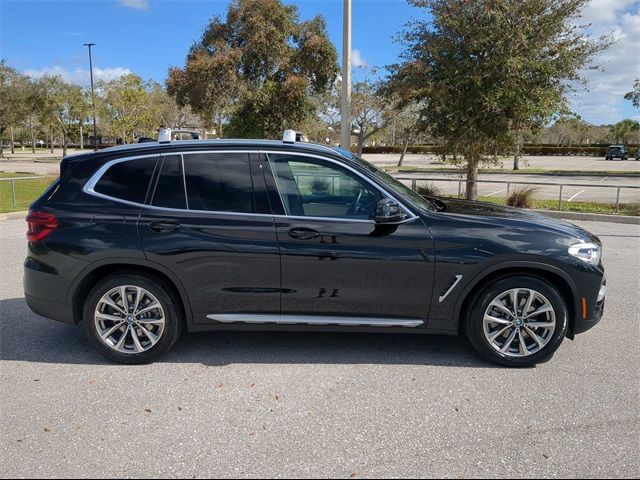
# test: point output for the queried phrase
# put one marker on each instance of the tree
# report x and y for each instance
(166, 112)
(367, 111)
(125, 109)
(258, 69)
(14, 105)
(486, 70)
(634, 95)
(63, 104)
(623, 131)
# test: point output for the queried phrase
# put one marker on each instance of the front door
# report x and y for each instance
(336, 262)
(210, 223)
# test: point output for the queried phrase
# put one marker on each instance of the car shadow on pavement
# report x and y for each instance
(27, 337)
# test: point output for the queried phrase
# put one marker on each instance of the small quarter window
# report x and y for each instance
(127, 180)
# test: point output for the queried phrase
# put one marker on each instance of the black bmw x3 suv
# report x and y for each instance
(139, 242)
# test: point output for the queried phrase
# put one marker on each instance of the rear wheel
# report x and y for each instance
(131, 319)
(518, 321)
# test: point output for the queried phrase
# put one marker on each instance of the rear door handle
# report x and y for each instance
(302, 233)
(164, 227)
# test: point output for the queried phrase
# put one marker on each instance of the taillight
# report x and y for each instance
(40, 225)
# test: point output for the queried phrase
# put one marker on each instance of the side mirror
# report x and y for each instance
(388, 211)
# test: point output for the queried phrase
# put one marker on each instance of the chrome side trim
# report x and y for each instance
(313, 320)
(446, 294)
(89, 187)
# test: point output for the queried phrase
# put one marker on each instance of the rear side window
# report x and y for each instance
(127, 180)
(169, 191)
(219, 182)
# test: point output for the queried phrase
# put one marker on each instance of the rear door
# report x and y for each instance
(210, 223)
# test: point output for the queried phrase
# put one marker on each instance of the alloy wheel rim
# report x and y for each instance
(519, 322)
(129, 319)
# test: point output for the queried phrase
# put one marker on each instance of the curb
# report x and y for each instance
(591, 217)
(13, 215)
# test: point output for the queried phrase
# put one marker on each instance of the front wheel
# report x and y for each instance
(131, 319)
(517, 321)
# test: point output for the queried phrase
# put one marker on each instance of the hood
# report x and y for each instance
(504, 215)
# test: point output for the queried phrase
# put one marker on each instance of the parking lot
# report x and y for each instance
(320, 405)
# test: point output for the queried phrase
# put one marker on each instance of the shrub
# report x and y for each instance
(428, 190)
(522, 197)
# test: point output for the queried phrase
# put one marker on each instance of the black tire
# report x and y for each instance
(473, 323)
(172, 326)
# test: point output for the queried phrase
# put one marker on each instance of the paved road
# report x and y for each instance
(529, 161)
(589, 189)
(321, 405)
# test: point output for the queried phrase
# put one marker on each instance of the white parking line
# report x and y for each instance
(581, 191)
(498, 191)
(604, 179)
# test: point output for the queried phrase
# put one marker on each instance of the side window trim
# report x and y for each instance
(89, 187)
(382, 191)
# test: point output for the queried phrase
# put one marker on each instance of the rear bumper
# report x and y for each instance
(45, 291)
(61, 312)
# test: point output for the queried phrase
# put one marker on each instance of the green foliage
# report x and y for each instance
(14, 93)
(124, 107)
(634, 95)
(484, 71)
(259, 68)
(624, 130)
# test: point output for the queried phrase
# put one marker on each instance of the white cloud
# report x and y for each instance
(79, 76)
(136, 4)
(602, 101)
(357, 60)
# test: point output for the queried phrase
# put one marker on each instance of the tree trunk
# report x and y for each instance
(51, 137)
(404, 151)
(64, 144)
(13, 143)
(81, 136)
(360, 143)
(516, 156)
(33, 137)
(472, 177)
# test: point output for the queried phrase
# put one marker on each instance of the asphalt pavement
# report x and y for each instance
(320, 405)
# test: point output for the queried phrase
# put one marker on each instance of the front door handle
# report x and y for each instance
(164, 227)
(302, 233)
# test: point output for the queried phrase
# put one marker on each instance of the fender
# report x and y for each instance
(142, 262)
(522, 264)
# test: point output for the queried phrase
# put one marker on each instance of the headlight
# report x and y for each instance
(588, 252)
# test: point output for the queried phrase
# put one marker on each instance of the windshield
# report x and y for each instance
(387, 179)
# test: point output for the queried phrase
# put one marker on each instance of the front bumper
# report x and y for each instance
(596, 314)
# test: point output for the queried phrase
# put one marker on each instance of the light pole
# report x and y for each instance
(93, 103)
(345, 104)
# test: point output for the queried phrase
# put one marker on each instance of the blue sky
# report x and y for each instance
(148, 36)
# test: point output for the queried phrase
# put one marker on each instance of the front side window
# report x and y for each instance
(219, 182)
(127, 180)
(315, 188)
